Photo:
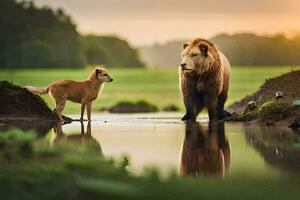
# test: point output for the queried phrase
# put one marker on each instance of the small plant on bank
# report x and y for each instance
(171, 108)
(140, 106)
(275, 110)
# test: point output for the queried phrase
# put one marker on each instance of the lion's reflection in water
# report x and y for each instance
(82, 138)
(205, 151)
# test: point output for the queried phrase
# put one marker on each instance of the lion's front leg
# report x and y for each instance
(212, 108)
(188, 107)
(193, 104)
(186, 116)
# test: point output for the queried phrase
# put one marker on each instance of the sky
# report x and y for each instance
(144, 22)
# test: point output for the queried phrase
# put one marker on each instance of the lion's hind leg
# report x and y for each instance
(221, 113)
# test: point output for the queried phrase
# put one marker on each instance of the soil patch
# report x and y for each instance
(265, 107)
(18, 103)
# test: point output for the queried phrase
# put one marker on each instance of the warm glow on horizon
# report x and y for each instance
(148, 21)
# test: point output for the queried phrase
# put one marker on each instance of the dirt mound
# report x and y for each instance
(17, 102)
(288, 83)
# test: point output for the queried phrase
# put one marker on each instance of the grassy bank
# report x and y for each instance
(32, 169)
(157, 86)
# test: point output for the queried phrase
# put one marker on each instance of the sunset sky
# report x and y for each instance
(145, 22)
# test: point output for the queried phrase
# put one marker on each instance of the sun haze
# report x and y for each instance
(148, 21)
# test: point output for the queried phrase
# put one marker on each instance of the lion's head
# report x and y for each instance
(198, 56)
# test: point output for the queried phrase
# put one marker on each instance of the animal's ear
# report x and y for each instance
(203, 49)
(97, 72)
(185, 45)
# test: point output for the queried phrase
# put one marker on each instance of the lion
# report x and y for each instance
(204, 79)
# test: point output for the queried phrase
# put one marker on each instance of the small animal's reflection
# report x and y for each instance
(205, 152)
(81, 138)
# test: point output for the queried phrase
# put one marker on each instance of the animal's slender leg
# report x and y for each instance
(89, 110)
(60, 109)
(57, 114)
(82, 128)
(82, 111)
(56, 105)
(56, 102)
(88, 129)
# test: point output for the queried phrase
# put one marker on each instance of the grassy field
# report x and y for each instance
(157, 86)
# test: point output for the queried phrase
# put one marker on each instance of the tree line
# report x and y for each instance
(244, 49)
(250, 49)
(42, 37)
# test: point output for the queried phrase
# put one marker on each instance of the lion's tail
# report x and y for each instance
(36, 90)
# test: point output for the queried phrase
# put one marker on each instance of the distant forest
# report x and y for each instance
(41, 37)
(245, 49)
(109, 50)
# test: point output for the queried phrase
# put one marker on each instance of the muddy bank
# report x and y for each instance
(275, 103)
(18, 103)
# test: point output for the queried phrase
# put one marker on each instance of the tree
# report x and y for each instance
(37, 37)
(110, 51)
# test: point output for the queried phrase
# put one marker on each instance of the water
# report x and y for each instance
(193, 149)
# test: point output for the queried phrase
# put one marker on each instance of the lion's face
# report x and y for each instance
(195, 57)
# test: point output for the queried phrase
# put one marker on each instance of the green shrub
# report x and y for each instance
(171, 107)
(275, 110)
(16, 144)
(140, 106)
(248, 116)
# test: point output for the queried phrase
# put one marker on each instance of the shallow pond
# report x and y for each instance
(164, 142)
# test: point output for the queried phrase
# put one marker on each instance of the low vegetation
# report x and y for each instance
(32, 169)
(140, 106)
(171, 108)
(276, 110)
(271, 111)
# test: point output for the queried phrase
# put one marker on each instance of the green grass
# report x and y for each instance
(159, 86)
(32, 169)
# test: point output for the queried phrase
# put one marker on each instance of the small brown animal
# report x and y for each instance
(84, 92)
(204, 78)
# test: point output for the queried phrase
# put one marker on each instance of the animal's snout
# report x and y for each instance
(183, 65)
(111, 80)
